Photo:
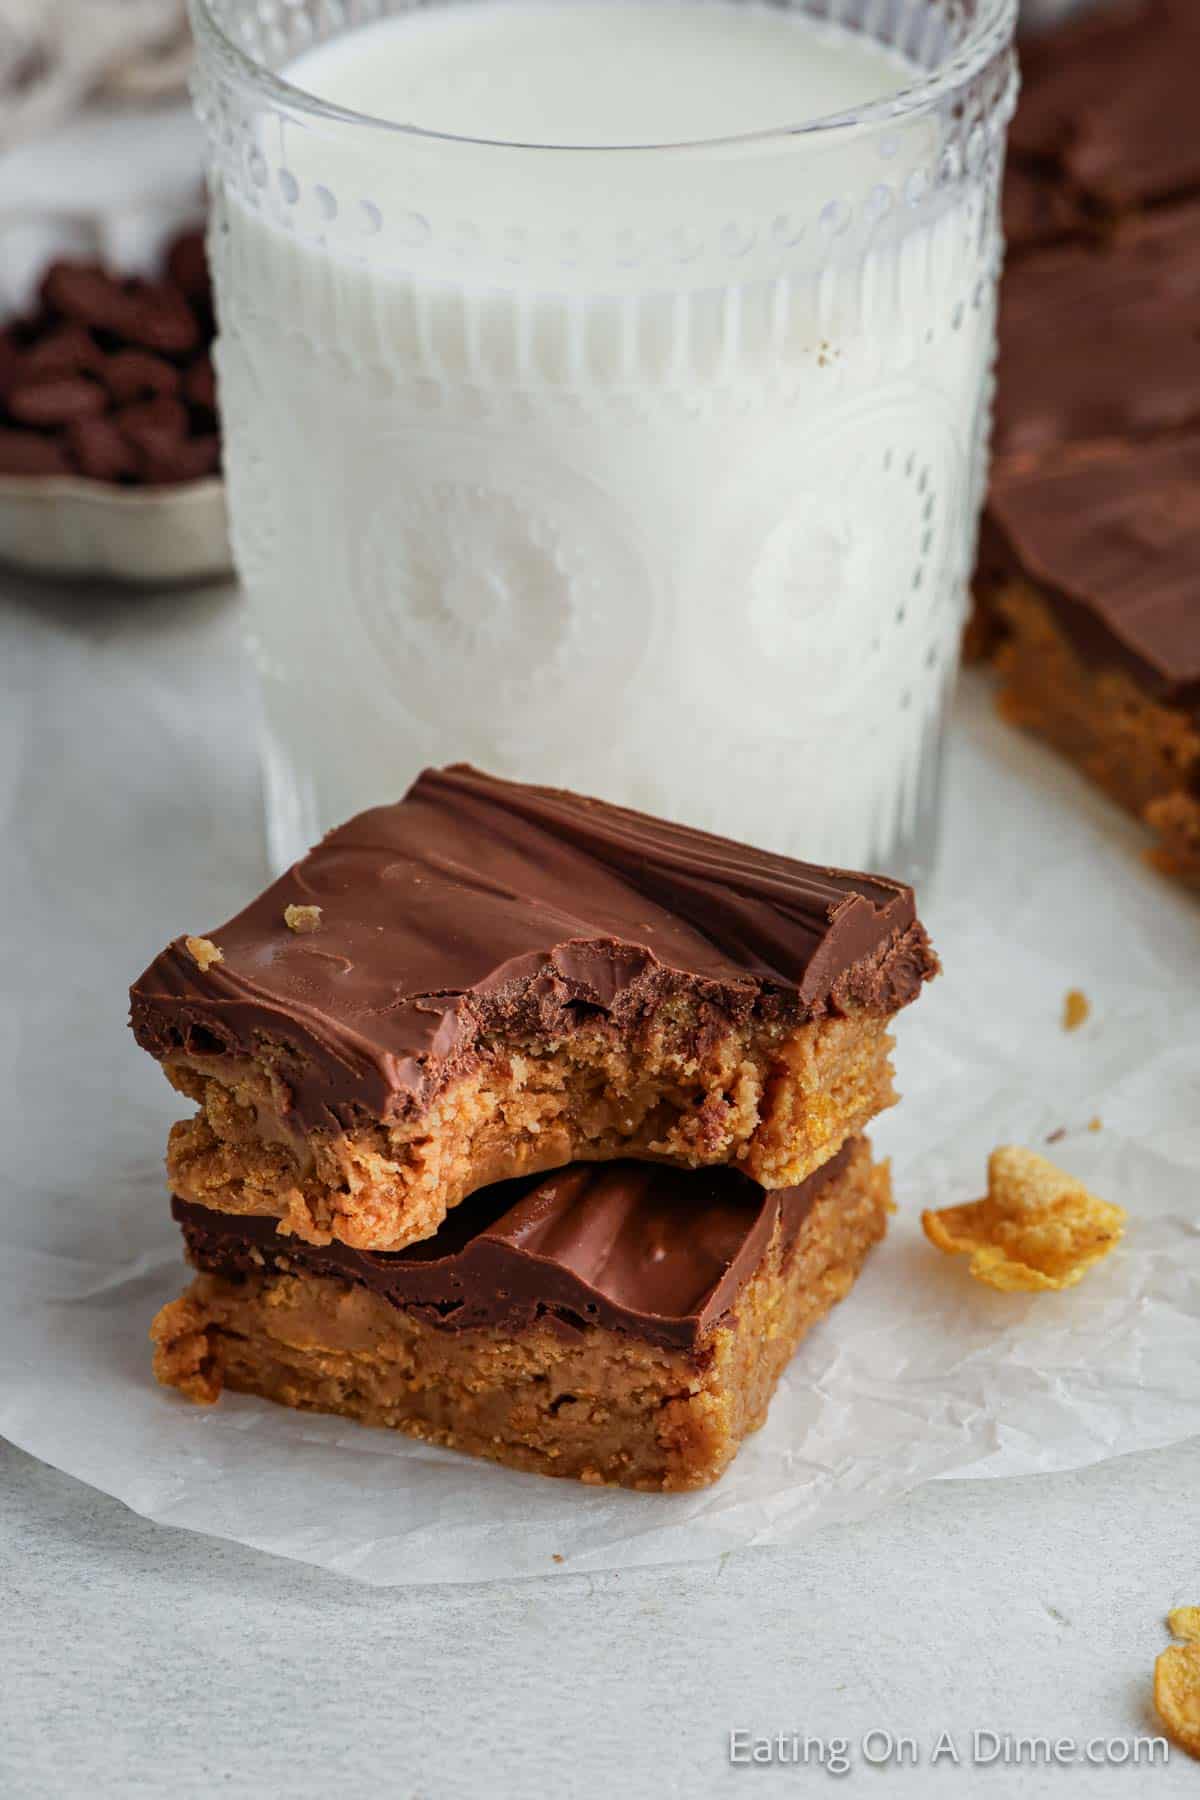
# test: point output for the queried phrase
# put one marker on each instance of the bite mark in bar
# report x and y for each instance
(507, 979)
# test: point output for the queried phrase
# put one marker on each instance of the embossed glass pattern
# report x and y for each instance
(648, 472)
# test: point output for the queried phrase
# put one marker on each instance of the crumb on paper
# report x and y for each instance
(557, 1558)
(203, 952)
(302, 918)
(1096, 1124)
(1077, 1009)
(1038, 1229)
(1057, 1135)
(1177, 1680)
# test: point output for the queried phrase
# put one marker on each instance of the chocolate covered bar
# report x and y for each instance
(1085, 592)
(1092, 561)
(1102, 343)
(618, 1323)
(1106, 124)
(1036, 211)
(487, 980)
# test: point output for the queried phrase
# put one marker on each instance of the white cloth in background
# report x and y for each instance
(100, 156)
(57, 54)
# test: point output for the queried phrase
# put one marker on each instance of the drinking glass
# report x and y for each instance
(648, 472)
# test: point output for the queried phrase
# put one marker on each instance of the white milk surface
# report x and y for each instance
(602, 72)
(646, 472)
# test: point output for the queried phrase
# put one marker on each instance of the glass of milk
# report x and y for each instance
(606, 388)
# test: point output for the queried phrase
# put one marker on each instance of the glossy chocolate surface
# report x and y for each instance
(1110, 535)
(1100, 342)
(1108, 105)
(478, 910)
(657, 1253)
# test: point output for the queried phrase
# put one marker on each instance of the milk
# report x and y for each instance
(650, 472)
(603, 72)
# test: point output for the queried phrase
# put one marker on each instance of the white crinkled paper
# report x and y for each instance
(128, 788)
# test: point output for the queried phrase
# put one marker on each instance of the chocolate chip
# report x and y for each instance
(162, 420)
(153, 315)
(200, 385)
(56, 401)
(191, 459)
(159, 318)
(187, 266)
(84, 292)
(138, 375)
(28, 453)
(10, 359)
(99, 450)
(64, 350)
(113, 376)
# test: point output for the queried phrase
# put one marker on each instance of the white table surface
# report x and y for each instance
(135, 1659)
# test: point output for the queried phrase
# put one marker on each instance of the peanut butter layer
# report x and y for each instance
(487, 980)
(774, 1103)
(552, 1392)
(1175, 821)
(1144, 754)
(1088, 571)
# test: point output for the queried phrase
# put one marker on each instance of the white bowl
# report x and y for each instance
(66, 526)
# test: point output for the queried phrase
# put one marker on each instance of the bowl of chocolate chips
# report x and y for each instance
(110, 448)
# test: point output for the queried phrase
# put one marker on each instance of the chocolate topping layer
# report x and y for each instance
(1108, 104)
(477, 908)
(658, 1253)
(1102, 342)
(1110, 535)
(1037, 209)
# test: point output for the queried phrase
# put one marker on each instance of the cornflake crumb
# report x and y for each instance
(1038, 1229)
(1177, 1680)
(556, 1557)
(203, 952)
(1184, 1622)
(1077, 1009)
(302, 918)
(1095, 1124)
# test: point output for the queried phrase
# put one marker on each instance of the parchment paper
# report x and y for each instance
(128, 794)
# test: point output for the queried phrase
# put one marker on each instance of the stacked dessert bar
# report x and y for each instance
(528, 1125)
(1089, 575)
